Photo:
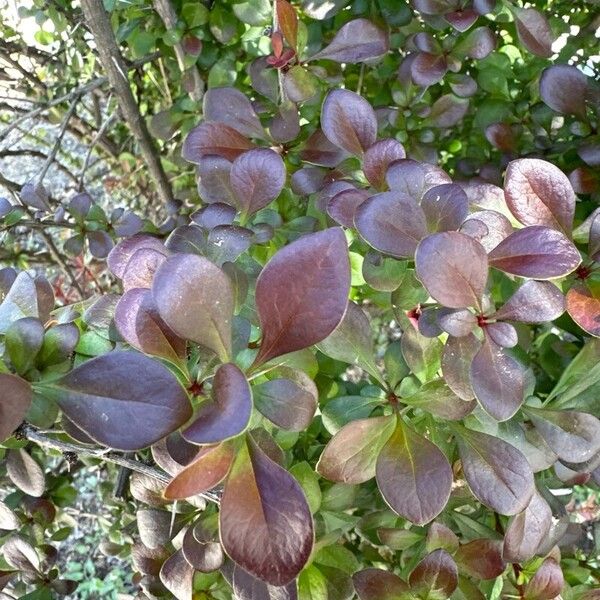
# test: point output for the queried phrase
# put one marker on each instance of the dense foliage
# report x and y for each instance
(352, 348)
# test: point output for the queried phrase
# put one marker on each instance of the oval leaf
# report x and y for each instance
(15, 400)
(533, 302)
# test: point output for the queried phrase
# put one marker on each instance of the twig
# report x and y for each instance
(31, 433)
(282, 94)
(97, 137)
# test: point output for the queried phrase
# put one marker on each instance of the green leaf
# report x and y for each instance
(309, 480)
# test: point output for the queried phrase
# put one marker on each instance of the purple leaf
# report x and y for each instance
(413, 476)
(225, 243)
(177, 575)
(498, 380)
(248, 587)
(413, 178)
(584, 309)
(378, 158)
(427, 69)
(307, 180)
(342, 207)
(351, 455)
(456, 322)
(204, 556)
(437, 398)
(214, 138)
(100, 243)
(257, 178)
(141, 268)
(481, 559)
(547, 583)
(564, 88)
(497, 473)
(213, 215)
(228, 412)
(35, 195)
(140, 325)
(533, 302)
(285, 125)
(377, 584)
(302, 293)
(20, 301)
(196, 300)
(448, 110)
(435, 576)
(355, 42)
(445, 206)
(320, 151)
(392, 223)
(453, 269)
(349, 121)
(537, 252)
(123, 400)
(534, 31)
(121, 254)
(503, 334)
(477, 44)
(15, 399)
(461, 20)
(228, 105)
(488, 227)
(213, 180)
(265, 522)
(538, 193)
(527, 531)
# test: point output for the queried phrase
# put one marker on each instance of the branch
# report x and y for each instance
(99, 24)
(96, 139)
(31, 433)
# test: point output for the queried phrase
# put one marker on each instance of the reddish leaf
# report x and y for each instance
(564, 88)
(481, 559)
(533, 302)
(538, 193)
(445, 206)
(427, 69)
(123, 400)
(141, 267)
(343, 206)
(456, 364)
(392, 223)
(207, 470)
(288, 22)
(257, 178)
(351, 455)
(497, 473)
(457, 322)
(354, 42)
(177, 576)
(547, 583)
(25, 472)
(121, 254)
(537, 252)
(436, 575)
(214, 183)
(196, 300)
(229, 106)
(348, 121)
(15, 399)
(227, 414)
(527, 531)
(377, 584)
(320, 151)
(265, 522)
(302, 293)
(584, 309)
(453, 269)
(413, 178)
(378, 158)
(534, 31)
(440, 536)
(214, 138)
(502, 334)
(413, 476)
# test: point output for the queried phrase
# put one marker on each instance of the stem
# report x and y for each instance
(97, 137)
(32, 434)
(282, 95)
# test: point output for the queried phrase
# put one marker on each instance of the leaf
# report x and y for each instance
(59, 344)
(356, 41)
(141, 268)
(196, 300)
(257, 178)
(457, 357)
(343, 206)
(248, 587)
(502, 334)
(177, 576)
(265, 522)
(421, 354)
(458, 322)
(302, 293)
(352, 341)
(547, 583)
(497, 473)
(228, 412)
(537, 252)
(391, 222)
(21, 555)
(205, 472)
(15, 400)
(481, 559)
(214, 185)
(533, 302)
(584, 309)
(445, 206)
(351, 455)
(348, 121)
(498, 381)
(573, 435)
(427, 68)
(121, 254)
(214, 138)
(377, 584)
(97, 395)
(378, 158)
(437, 398)
(25, 473)
(527, 531)
(435, 575)
(290, 403)
(230, 106)
(140, 325)
(382, 273)
(19, 302)
(534, 31)
(338, 412)
(205, 555)
(413, 476)
(564, 88)
(300, 84)
(288, 22)
(440, 536)
(538, 193)
(414, 178)
(320, 151)
(448, 110)
(453, 268)
(477, 44)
